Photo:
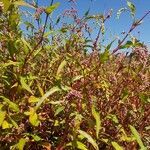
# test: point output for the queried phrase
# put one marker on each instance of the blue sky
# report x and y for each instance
(113, 26)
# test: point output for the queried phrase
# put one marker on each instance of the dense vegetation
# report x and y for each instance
(59, 89)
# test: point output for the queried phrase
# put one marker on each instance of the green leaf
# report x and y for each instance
(128, 44)
(120, 11)
(33, 117)
(13, 122)
(77, 78)
(21, 144)
(132, 8)
(46, 95)
(81, 146)
(10, 63)
(137, 137)
(11, 104)
(89, 138)
(27, 46)
(24, 85)
(144, 97)
(103, 28)
(2, 116)
(116, 146)
(56, 102)
(87, 12)
(6, 3)
(36, 137)
(23, 3)
(60, 68)
(58, 110)
(58, 20)
(113, 118)
(104, 56)
(5, 125)
(51, 8)
(33, 99)
(98, 121)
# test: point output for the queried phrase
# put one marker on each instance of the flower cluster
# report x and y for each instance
(74, 93)
(141, 53)
(70, 12)
(38, 12)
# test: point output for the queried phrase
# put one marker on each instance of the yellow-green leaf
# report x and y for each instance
(11, 104)
(77, 78)
(10, 63)
(5, 125)
(26, 45)
(46, 95)
(51, 8)
(13, 122)
(60, 68)
(89, 138)
(81, 146)
(6, 4)
(2, 116)
(116, 146)
(36, 137)
(24, 85)
(33, 99)
(96, 115)
(137, 137)
(33, 117)
(21, 144)
(23, 3)
(131, 7)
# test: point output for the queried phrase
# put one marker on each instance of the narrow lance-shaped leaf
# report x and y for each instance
(9, 63)
(98, 121)
(81, 146)
(77, 78)
(33, 118)
(6, 4)
(120, 11)
(46, 95)
(6, 125)
(27, 46)
(89, 138)
(21, 144)
(23, 3)
(11, 104)
(2, 116)
(60, 68)
(13, 122)
(116, 146)
(33, 99)
(24, 85)
(137, 137)
(131, 7)
(50, 9)
(87, 12)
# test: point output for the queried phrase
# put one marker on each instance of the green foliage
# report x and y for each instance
(89, 138)
(51, 8)
(98, 121)
(132, 8)
(137, 137)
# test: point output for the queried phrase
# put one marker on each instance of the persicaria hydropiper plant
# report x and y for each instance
(62, 89)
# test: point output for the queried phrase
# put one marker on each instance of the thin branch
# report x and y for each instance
(134, 25)
(36, 46)
(100, 29)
